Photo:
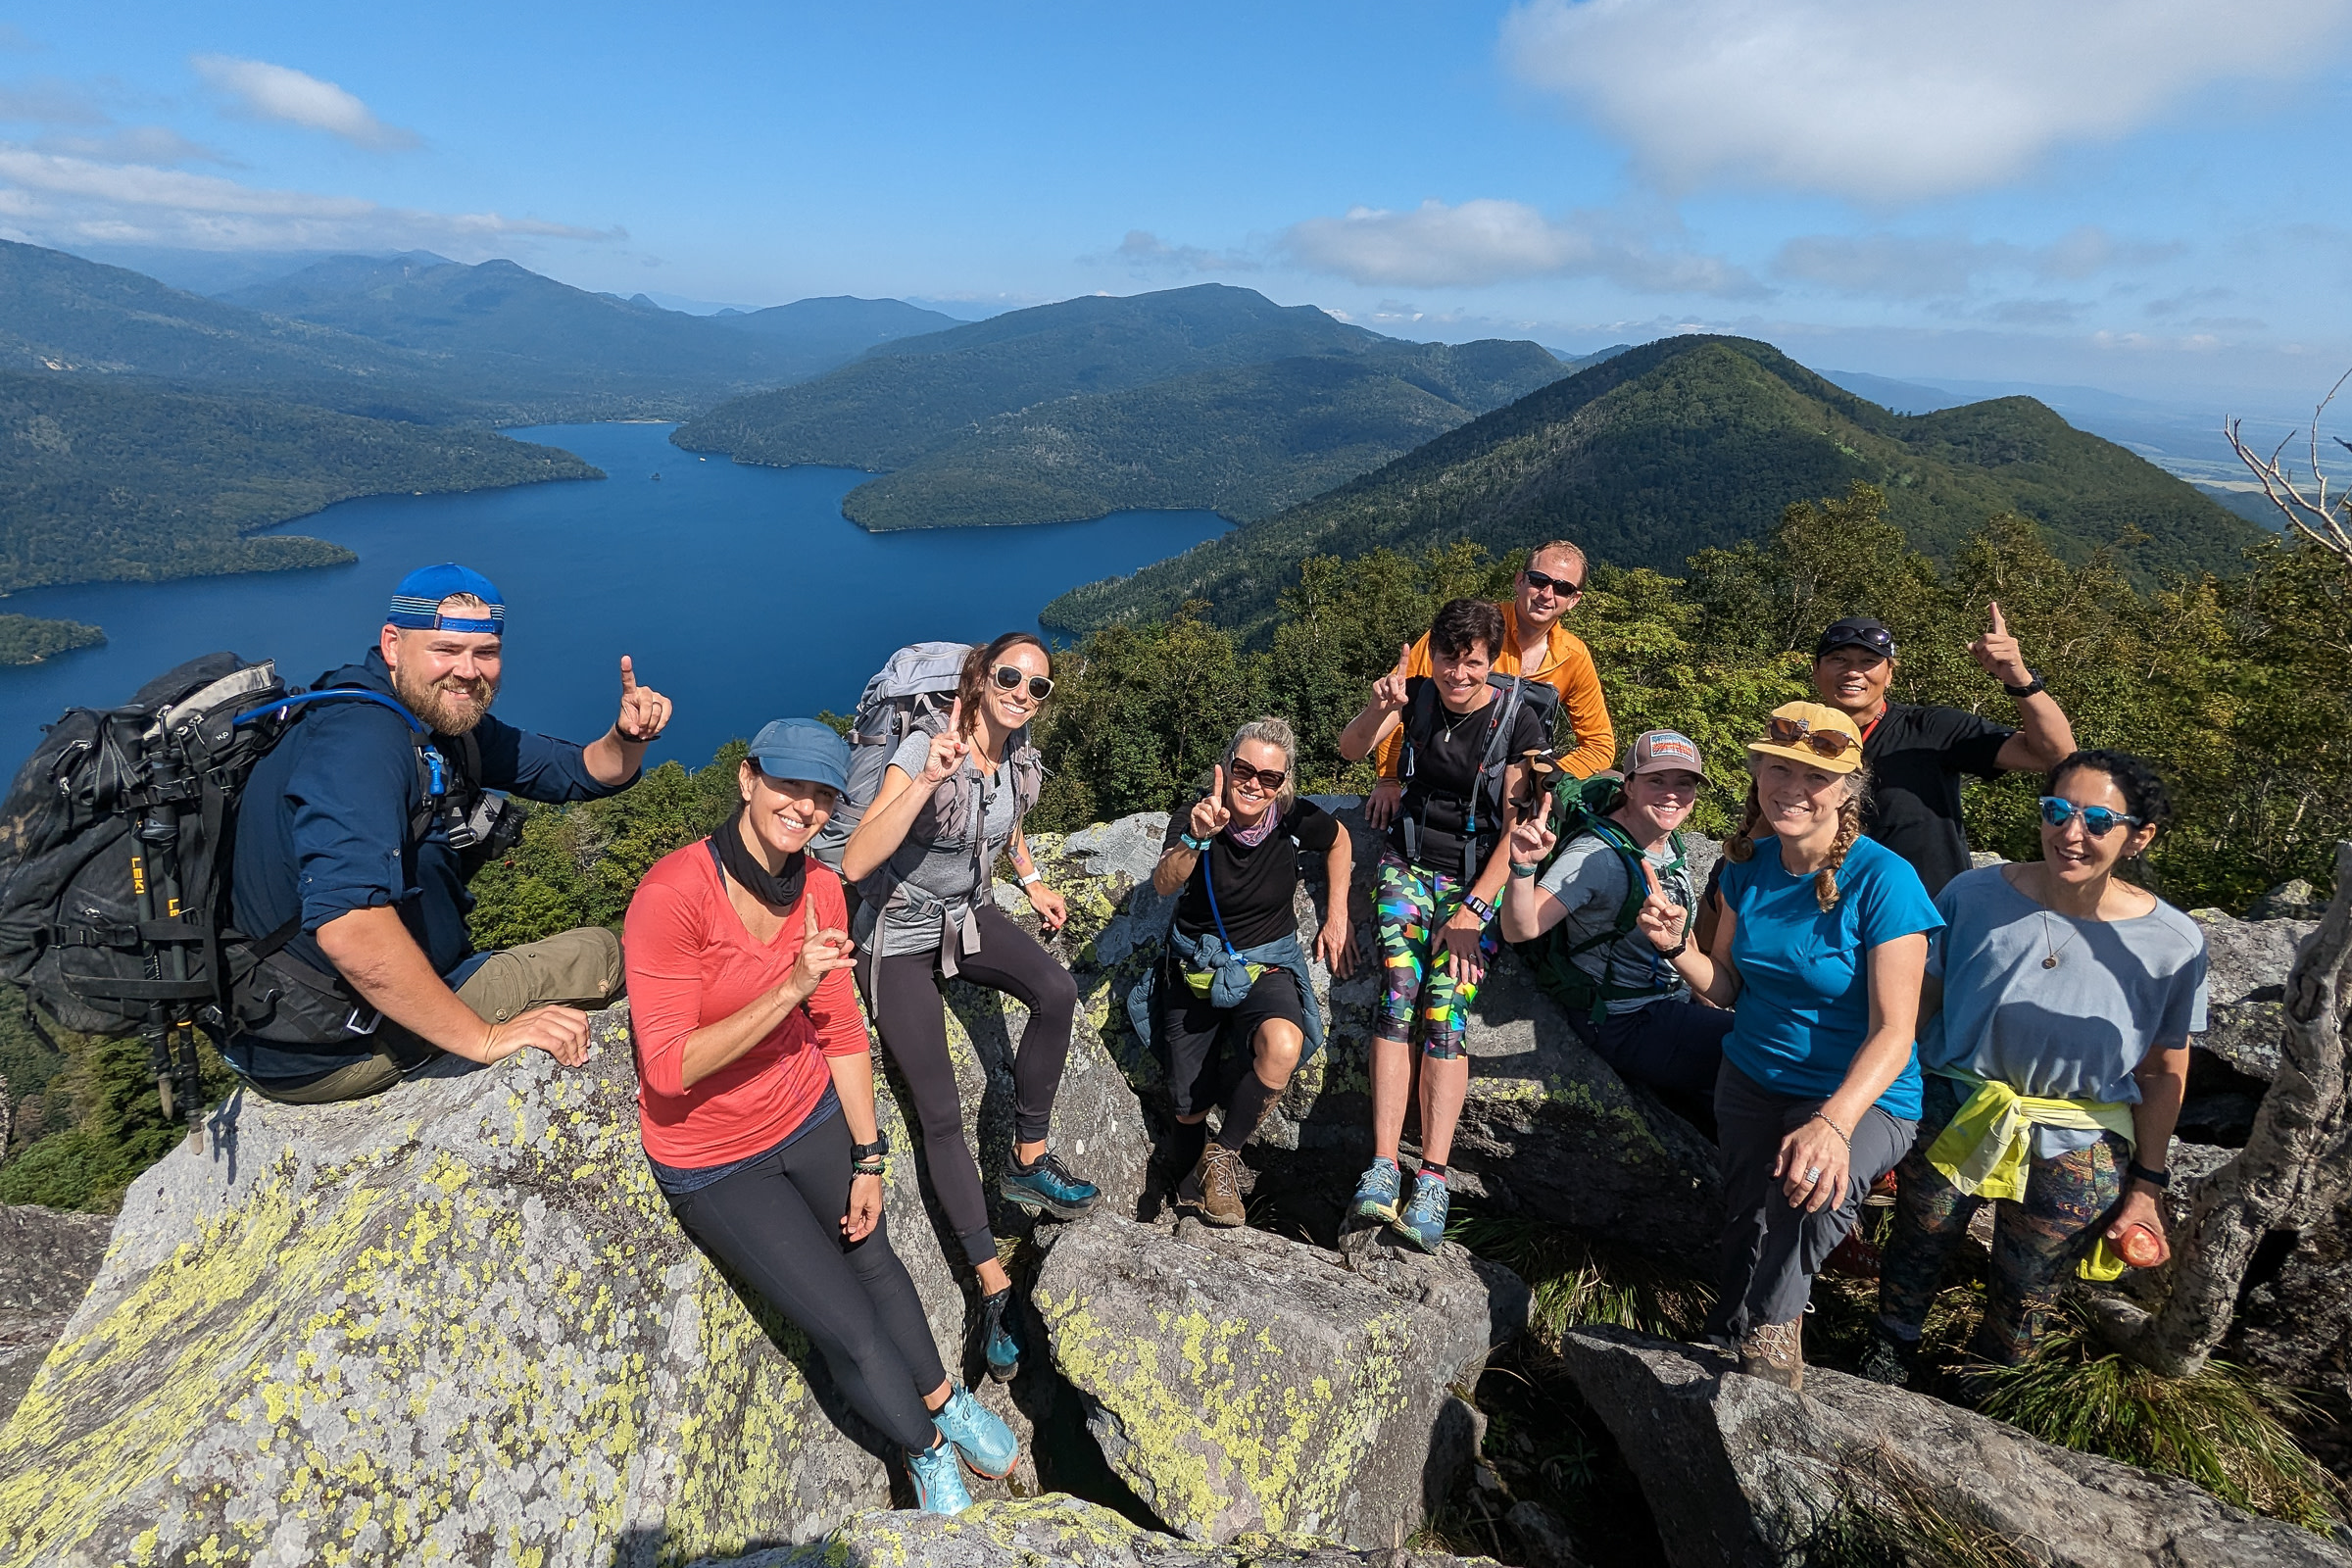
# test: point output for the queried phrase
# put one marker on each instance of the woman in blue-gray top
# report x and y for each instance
(1819, 954)
(2059, 1003)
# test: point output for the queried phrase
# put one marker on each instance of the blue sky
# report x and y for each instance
(2143, 195)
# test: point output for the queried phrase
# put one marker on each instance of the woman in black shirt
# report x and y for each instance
(1234, 969)
(1441, 871)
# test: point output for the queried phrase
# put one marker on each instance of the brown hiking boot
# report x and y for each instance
(1213, 1189)
(1775, 1352)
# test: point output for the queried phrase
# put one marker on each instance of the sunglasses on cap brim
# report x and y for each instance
(1825, 743)
(1009, 677)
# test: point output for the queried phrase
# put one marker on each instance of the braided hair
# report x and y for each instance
(1741, 846)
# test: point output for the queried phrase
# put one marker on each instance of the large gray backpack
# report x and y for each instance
(912, 691)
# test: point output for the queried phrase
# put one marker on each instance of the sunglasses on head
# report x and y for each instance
(1270, 779)
(1830, 743)
(2097, 820)
(1009, 677)
(1548, 584)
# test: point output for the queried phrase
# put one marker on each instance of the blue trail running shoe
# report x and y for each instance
(1423, 1222)
(977, 1434)
(1000, 1341)
(938, 1473)
(1050, 1186)
(1376, 1194)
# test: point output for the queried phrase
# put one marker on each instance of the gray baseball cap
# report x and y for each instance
(805, 750)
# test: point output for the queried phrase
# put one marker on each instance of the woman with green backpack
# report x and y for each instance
(1623, 996)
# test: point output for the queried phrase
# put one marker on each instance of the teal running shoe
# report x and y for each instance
(1050, 1186)
(1423, 1222)
(1376, 1194)
(938, 1473)
(978, 1434)
(1000, 1341)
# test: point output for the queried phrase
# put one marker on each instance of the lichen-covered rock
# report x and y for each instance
(47, 1260)
(2246, 963)
(1061, 1531)
(1742, 1472)
(1245, 1384)
(454, 1323)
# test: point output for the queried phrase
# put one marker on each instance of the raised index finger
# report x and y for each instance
(1216, 784)
(2000, 625)
(1651, 873)
(628, 675)
(955, 716)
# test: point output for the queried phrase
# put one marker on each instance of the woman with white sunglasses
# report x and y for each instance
(2057, 1010)
(948, 806)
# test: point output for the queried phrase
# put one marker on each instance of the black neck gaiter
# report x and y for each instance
(778, 889)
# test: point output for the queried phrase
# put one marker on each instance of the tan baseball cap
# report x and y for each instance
(1663, 751)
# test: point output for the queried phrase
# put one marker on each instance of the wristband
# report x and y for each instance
(1196, 846)
(2161, 1180)
(871, 1167)
(1478, 907)
(1033, 875)
(2027, 689)
(1519, 870)
(1681, 947)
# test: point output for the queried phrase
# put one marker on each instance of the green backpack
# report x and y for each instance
(1581, 807)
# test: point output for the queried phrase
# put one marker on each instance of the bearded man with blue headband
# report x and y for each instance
(358, 833)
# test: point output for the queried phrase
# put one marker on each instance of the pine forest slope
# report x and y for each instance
(911, 397)
(102, 478)
(1243, 441)
(1685, 444)
(835, 328)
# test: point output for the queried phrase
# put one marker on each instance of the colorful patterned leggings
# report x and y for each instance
(1413, 904)
(2035, 1243)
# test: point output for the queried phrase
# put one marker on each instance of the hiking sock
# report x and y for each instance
(1428, 1169)
(1184, 1149)
(1022, 1167)
(1245, 1108)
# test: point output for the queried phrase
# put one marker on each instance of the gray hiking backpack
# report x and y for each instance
(911, 691)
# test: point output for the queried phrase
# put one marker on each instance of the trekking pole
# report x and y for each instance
(179, 1071)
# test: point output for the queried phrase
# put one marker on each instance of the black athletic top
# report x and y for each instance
(1445, 754)
(1256, 885)
(1916, 756)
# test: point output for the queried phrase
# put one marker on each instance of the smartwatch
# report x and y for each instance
(2027, 689)
(1480, 908)
(2161, 1180)
(873, 1151)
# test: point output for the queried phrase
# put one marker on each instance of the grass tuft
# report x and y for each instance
(1576, 1281)
(1892, 1519)
(2224, 1429)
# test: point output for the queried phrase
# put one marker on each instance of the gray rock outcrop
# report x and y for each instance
(1242, 1383)
(47, 1260)
(1742, 1472)
(1060, 1531)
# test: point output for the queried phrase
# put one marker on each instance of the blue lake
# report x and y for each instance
(740, 592)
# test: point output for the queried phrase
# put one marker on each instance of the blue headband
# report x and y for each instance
(416, 602)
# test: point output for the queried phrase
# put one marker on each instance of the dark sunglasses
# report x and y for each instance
(1010, 676)
(1271, 779)
(1821, 743)
(1558, 585)
(2097, 820)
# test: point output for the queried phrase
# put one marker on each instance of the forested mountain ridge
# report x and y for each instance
(1684, 444)
(907, 397)
(1242, 441)
(102, 478)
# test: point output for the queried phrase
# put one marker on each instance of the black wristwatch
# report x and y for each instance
(2161, 1180)
(1679, 949)
(873, 1151)
(2027, 689)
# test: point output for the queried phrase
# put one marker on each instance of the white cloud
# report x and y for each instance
(136, 144)
(1927, 267)
(1892, 100)
(69, 197)
(265, 91)
(1145, 251)
(49, 101)
(1488, 241)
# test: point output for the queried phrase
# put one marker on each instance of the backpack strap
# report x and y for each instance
(1490, 765)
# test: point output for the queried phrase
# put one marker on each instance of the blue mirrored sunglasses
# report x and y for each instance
(2097, 820)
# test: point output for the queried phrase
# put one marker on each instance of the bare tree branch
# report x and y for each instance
(2312, 514)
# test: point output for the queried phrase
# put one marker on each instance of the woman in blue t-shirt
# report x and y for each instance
(1819, 954)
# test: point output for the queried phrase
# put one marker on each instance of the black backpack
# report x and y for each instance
(115, 843)
(1487, 786)
(1580, 807)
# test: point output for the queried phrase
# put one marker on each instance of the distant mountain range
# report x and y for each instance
(1686, 443)
(1209, 396)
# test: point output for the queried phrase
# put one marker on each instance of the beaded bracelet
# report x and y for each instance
(873, 1167)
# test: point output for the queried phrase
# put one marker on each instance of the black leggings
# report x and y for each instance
(778, 1223)
(912, 1017)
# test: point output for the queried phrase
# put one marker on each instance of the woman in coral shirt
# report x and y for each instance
(756, 1098)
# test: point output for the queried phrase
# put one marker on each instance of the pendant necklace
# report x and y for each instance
(2050, 960)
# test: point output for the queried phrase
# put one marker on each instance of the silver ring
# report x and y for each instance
(1813, 1173)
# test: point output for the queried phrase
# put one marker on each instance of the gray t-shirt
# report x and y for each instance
(2075, 1031)
(947, 871)
(1589, 879)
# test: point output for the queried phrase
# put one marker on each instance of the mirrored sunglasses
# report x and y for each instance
(1798, 732)
(2097, 820)
(1011, 676)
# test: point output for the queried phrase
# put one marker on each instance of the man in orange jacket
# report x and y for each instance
(1537, 646)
